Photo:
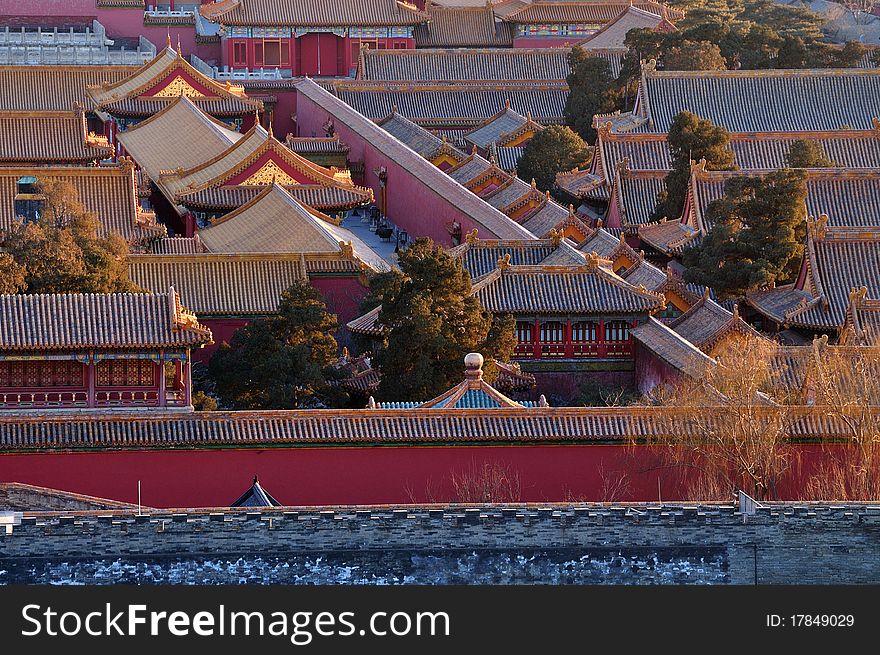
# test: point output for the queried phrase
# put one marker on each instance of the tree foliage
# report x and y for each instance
(593, 90)
(555, 148)
(720, 434)
(62, 251)
(432, 322)
(694, 56)
(805, 153)
(282, 362)
(691, 138)
(748, 34)
(757, 235)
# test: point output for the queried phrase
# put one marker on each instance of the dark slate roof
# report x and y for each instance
(444, 65)
(848, 197)
(256, 496)
(405, 131)
(636, 196)
(481, 256)
(589, 289)
(83, 321)
(762, 101)
(500, 128)
(450, 104)
(838, 264)
(705, 322)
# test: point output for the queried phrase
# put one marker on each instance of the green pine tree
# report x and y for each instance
(691, 138)
(432, 322)
(758, 234)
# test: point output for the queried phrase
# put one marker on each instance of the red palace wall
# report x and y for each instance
(412, 204)
(652, 371)
(341, 475)
(343, 296)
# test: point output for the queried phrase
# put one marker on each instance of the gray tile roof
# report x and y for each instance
(763, 101)
(444, 65)
(447, 105)
(75, 322)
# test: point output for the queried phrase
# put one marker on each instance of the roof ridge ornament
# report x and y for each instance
(472, 237)
(503, 262)
(817, 228)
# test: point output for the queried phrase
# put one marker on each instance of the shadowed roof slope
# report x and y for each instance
(222, 284)
(444, 65)
(461, 27)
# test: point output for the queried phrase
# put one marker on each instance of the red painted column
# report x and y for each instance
(602, 348)
(569, 346)
(90, 376)
(536, 340)
(163, 392)
(187, 382)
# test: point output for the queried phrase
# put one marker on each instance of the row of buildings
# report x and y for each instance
(228, 189)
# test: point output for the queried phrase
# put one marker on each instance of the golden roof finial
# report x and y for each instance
(472, 236)
(507, 103)
(168, 39)
(555, 236)
(534, 185)
(504, 262)
(592, 261)
(178, 45)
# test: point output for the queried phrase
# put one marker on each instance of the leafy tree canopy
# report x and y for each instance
(691, 138)
(282, 362)
(593, 90)
(553, 149)
(805, 153)
(61, 252)
(758, 234)
(749, 34)
(433, 321)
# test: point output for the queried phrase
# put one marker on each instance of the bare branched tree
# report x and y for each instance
(487, 483)
(846, 383)
(726, 432)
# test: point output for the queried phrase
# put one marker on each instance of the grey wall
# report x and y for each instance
(783, 543)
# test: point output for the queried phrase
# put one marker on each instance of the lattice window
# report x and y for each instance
(584, 331)
(616, 331)
(126, 373)
(524, 332)
(552, 332)
(41, 374)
